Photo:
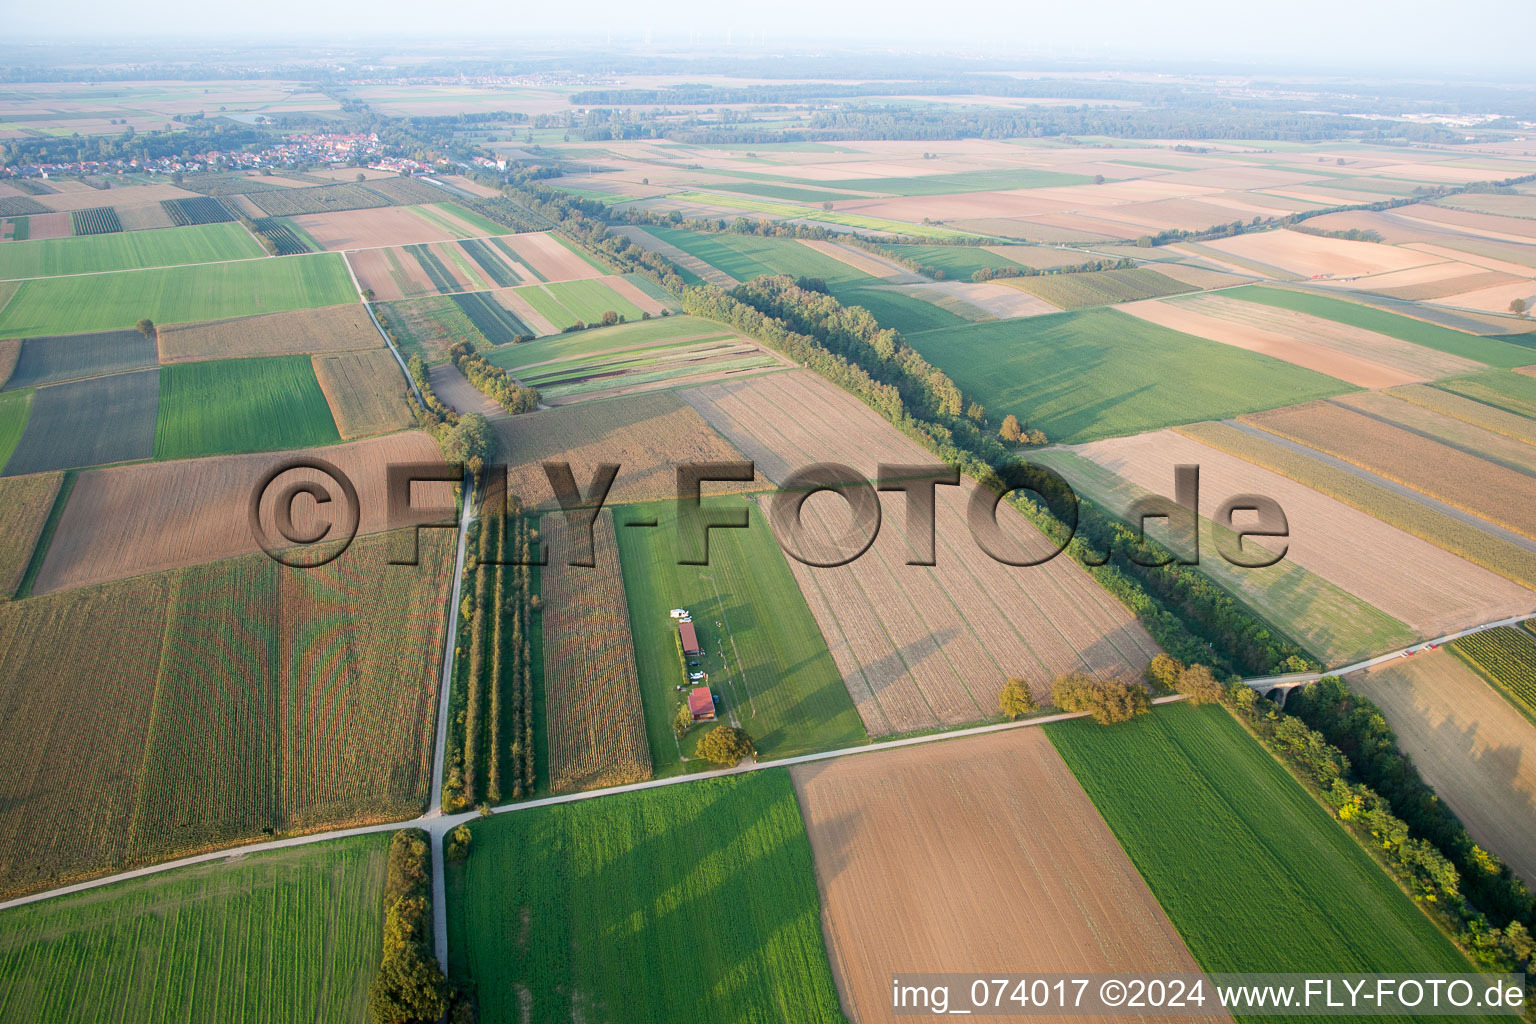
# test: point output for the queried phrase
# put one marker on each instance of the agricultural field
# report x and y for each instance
(25, 502)
(1025, 872)
(300, 332)
(398, 225)
(764, 653)
(1507, 656)
(1379, 500)
(957, 262)
(1468, 741)
(919, 646)
(710, 880)
(641, 355)
(906, 312)
(1098, 288)
(131, 250)
(365, 391)
(272, 938)
(1420, 332)
(73, 356)
(1511, 392)
(498, 324)
(566, 303)
(1496, 493)
(649, 435)
(744, 257)
(1098, 373)
(283, 236)
(14, 407)
(229, 406)
(213, 705)
(89, 423)
(97, 220)
(595, 721)
(200, 210)
(428, 327)
(173, 295)
(1191, 796)
(126, 520)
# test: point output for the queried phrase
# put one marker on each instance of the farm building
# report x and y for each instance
(690, 638)
(701, 704)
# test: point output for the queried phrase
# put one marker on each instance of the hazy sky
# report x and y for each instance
(1470, 36)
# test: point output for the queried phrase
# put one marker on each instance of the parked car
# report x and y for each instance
(695, 676)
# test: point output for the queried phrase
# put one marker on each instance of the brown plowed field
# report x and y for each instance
(454, 388)
(1514, 229)
(547, 256)
(648, 435)
(1483, 488)
(366, 391)
(1428, 589)
(525, 312)
(1404, 356)
(1313, 255)
(1353, 369)
(1471, 745)
(966, 856)
(129, 520)
(300, 332)
(389, 225)
(591, 685)
(920, 646)
(49, 225)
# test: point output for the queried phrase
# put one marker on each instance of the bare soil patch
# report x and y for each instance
(388, 225)
(455, 389)
(983, 850)
(553, 260)
(1319, 256)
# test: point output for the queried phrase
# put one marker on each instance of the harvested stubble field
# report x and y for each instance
(594, 717)
(454, 389)
(25, 502)
(395, 225)
(1098, 288)
(1476, 545)
(130, 250)
(390, 274)
(273, 938)
(1429, 590)
(549, 258)
(183, 711)
(649, 435)
(1469, 410)
(1411, 359)
(1484, 488)
(72, 356)
(365, 390)
(1420, 332)
(174, 295)
(1474, 440)
(227, 406)
(921, 646)
(1316, 255)
(1098, 373)
(1190, 795)
(708, 880)
(89, 423)
(1469, 743)
(937, 856)
(764, 653)
(299, 332)
(10, 352)
(129, 520)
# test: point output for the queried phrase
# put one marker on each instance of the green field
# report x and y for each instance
(907, 313)
(1100, 373)
(14, 406)
(228, 406)
(690, 904)
(1512, 392)
(276, 937)
(958, 262)
(1252, 871)
(589, 299)
(128, 250)
(850, 220)
(1100, 287)
(637, 334)
(961, 181)
(747, 256)
(175, 295)
(775, 675)
(1442, 339)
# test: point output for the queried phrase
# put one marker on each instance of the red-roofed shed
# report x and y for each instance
(701, 704)
(690, 638)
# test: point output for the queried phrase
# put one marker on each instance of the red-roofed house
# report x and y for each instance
(701, 704)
